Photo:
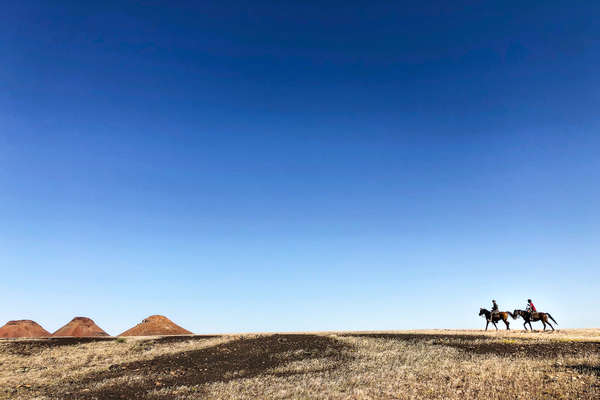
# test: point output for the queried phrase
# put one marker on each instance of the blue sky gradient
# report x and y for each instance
(282, 166)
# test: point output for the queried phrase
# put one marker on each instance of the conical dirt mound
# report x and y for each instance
(156, 325)
(80, 327)
(23, 328)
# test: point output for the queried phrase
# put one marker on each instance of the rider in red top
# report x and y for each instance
(530, 306)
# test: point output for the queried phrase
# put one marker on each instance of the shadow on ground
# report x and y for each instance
(243, 358)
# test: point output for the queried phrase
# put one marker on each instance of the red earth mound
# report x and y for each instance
(23, 328)
(156, 325)
(80, 327)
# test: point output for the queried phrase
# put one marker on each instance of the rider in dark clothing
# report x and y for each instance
(494, 310)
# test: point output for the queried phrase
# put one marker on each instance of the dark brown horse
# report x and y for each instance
(497, 316)
(536, 316)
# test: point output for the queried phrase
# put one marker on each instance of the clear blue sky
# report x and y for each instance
(309, 165)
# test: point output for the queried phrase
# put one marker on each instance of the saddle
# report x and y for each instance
(495, 315)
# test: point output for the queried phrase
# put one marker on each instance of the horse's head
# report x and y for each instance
(482, 311)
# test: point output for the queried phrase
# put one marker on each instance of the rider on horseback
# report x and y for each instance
(530, 307)
(494, 310)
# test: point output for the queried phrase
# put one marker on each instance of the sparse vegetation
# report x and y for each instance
(382, 365)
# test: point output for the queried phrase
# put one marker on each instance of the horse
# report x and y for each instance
(500, 315)
(536, 316)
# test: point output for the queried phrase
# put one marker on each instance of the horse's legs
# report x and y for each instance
(495, 325)
(543, 323)
(545, 319)
(525, 326)
(507, 324)
(486, 324)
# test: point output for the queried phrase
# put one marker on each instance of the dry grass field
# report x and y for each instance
(329, 365)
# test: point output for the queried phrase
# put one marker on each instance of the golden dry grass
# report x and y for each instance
(382, 365)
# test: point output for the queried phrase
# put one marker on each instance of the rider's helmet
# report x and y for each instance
(529, 300)
(493, 301)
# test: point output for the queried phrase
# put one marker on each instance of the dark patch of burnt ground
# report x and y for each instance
(178, 338)
(531, 349)
(242, 358)
(416, 337)
(480, 344)
(28, 347)
(586, 369)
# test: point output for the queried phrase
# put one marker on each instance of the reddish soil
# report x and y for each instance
(80, 327)
(24, 328)
(156, 325)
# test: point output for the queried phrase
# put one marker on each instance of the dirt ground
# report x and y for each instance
(156, 325)
(24, 328)
(329, 365)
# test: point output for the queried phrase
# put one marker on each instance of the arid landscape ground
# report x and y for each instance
(329, 365)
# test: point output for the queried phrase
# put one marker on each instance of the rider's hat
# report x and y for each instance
(529, 300)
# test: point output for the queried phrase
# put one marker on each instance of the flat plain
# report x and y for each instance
(324, 365)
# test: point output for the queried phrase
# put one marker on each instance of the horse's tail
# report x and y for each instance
(511, 314)
(550, 316)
